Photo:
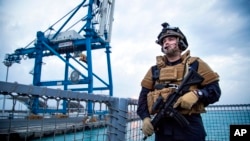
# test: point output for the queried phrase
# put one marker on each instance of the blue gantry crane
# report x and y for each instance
(69, 44)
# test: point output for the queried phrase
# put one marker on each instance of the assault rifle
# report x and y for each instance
(166, 108)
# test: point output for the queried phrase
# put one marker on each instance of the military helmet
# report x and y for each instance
(172, 31)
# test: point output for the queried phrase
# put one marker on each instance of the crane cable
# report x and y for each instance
(51, 27)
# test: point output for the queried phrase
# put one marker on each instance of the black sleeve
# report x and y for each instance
(211, 93)
(142, 109)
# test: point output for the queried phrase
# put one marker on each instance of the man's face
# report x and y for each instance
(170, 45)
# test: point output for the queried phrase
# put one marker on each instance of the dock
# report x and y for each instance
(26, 129)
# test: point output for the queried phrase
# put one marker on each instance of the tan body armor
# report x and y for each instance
(173, 75)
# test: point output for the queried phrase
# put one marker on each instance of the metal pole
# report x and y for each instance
(4, 97)
(88, 31)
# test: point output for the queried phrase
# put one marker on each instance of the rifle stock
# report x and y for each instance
(191, 78)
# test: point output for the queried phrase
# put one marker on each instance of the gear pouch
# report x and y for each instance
(154, 95)
(151, 98)
(168, 74)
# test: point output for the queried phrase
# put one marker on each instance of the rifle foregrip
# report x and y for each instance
(180, 119)
(156, 106)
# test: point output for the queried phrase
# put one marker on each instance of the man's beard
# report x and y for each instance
(172, 52)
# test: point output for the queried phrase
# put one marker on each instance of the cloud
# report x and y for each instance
(233, 81)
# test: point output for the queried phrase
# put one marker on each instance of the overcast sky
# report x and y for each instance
(218, 32)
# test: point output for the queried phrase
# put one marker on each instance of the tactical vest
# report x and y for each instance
(172, 76)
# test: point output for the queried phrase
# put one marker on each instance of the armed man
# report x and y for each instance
(161, 87)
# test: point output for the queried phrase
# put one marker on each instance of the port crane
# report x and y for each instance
(68, 43)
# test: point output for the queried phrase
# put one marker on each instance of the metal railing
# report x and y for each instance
(112, 119)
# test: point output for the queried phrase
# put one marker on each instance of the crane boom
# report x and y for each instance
(95, 33)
